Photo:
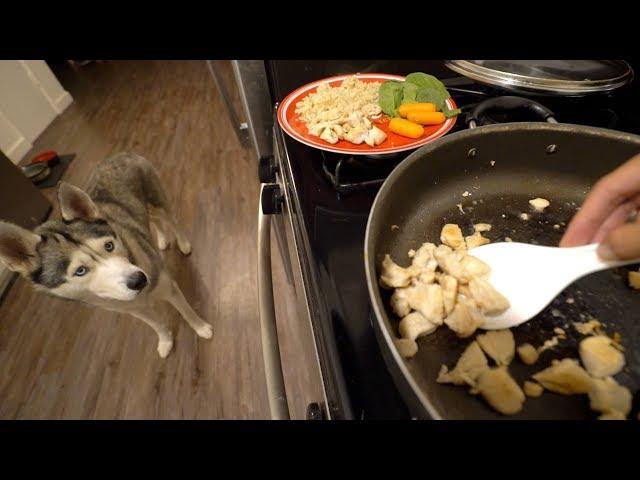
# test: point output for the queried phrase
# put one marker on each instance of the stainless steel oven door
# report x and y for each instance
(294, 380)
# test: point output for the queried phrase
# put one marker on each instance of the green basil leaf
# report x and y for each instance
(390, 96)
(409, 91)
(448, 112)
(423, 80)
(432, 95)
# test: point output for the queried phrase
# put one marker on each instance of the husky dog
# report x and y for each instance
(102, 251)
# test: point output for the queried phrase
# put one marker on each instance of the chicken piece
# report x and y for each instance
(499, 345)
(425, 276)
(612, 416)
(616, 341)
(532, 389)
(395, 276)
(473, 267)
(414, 326)
(449, 261)
(482, 227)
(609, 397)
(634, 280)
(451, 236)
(539, 204)
(476, 240)
(423, 257)
(328, 135)
(565, 376)
(427, 299)
(550, 343)
(399, 302)
(356, 135)
(406, 348)
(528, 354)
(459, 265)
(464, 291)
(449, 292)
(355, 119)
(592, 327)
(375, 136)
(316, 130)
(488, 298)
(599, 357)
(339, 131)
(471, 363)
(465, 318)
(500, 390)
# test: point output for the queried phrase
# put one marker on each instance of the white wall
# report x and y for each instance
(30, 98)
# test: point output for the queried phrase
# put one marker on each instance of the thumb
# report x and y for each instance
(622, 243)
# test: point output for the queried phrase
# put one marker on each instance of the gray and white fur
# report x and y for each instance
(102, 252)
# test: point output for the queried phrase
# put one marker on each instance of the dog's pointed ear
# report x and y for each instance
(18, 247)
(75, 203)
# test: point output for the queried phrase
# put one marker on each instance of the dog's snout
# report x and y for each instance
(137, 281)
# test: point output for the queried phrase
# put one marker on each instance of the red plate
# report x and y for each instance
(290, 123)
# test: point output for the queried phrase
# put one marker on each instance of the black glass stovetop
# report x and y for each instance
(333, 216)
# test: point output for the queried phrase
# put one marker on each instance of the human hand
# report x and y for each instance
(604, 216)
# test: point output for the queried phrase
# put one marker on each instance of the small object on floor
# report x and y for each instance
(50, 157)
(36, 172)
(57, 170)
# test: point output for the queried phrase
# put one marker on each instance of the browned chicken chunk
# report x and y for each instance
(600, 357)
(499, 345)
(610, 398)
(564, 376)
(528, 353)
(415, 325)
(500, 390)
(395, 276)
(470, 364)
(465, 318)
(451, 236)
(532, 389)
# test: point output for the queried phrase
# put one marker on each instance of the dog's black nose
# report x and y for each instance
(137, 281)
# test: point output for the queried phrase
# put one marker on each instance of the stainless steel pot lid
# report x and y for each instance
(559, 77)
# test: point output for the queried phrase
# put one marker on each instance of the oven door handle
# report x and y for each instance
(270, 203)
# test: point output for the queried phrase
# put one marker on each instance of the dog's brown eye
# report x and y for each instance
(108, 246)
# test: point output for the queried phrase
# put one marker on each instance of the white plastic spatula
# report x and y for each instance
(531, 276)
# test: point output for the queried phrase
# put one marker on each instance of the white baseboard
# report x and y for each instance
(18, 150)
(62, 102)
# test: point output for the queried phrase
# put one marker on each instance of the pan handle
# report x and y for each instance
(506, 104)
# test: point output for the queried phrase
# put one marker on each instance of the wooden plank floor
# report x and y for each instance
(60, 359)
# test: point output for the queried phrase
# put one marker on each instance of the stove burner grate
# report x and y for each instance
(348, 173)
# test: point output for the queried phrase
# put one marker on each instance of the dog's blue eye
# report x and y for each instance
(108, 246)
(80, 271)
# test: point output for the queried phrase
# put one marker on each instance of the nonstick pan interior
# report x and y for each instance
(556, 162)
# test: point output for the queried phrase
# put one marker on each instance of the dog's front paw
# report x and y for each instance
(162, 243)
(184, 245)
(164, 347)
(205, 331)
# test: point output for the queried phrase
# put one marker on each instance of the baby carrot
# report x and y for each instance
(405, 128)
(405, 108)
(426, 118)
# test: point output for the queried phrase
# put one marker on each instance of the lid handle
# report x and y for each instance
(507, 104)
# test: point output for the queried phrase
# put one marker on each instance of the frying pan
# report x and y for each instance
(559, 162)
